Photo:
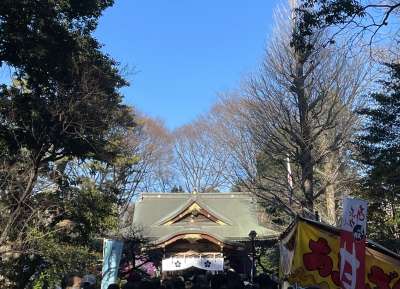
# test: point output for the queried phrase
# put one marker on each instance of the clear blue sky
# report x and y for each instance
(185, 51)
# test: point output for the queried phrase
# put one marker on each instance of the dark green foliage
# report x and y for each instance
(65, 241)
(47, 268)
(268, 259)
(66, 91)
(317, 14)
(322, 13)
(84, 211)
(379, 149)
(40, 38)
(63, 104)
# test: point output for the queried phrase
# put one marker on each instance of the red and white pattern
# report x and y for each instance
(352, 244)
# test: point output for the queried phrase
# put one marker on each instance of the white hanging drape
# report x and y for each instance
(176, 263)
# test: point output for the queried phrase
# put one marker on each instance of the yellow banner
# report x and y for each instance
(315, 261)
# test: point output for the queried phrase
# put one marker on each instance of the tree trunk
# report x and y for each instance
(330, 204)
(306, 161)
(16, 212)
(330, 192)
(307, 180)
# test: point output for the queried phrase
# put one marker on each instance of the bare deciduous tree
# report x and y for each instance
(158, 147)
(298, 107)
(230, 126)
(200, 163)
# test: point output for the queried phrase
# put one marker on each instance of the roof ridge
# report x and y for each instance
(193, 200)
(189, 195)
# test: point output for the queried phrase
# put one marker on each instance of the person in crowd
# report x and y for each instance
(264, 281)
(218, 281)
(167, 284)
(130, 285)
(145, 284)
(201, 282)
(178, 283)
(89, 282)
(234, 281)
(188, 284)
(113, 286)
(71, 281)
(248, 285)
(155, 283)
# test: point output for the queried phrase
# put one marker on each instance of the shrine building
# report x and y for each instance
(209, 231)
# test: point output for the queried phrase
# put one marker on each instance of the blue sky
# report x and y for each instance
(184, 51)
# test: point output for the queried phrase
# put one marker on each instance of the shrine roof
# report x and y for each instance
(232, 216)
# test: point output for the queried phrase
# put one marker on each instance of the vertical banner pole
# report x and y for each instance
(352, 244)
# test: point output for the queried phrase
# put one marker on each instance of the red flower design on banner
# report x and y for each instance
(382, 280)
(319, 259)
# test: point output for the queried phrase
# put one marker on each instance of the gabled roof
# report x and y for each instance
(194, 200)
(156, 214)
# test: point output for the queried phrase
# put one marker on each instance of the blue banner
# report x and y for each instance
(112, 251)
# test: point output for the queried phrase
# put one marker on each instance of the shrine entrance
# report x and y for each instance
(207, 231)
(198, 251)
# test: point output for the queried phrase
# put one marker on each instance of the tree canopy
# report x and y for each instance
(62, 104)
(379, 153)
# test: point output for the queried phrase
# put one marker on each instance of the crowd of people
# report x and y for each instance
(227, 280)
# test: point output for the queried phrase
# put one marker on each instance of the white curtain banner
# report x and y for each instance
(181, 263)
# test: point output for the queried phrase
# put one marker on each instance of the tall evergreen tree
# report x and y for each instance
(63, 103)
(379, 149)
